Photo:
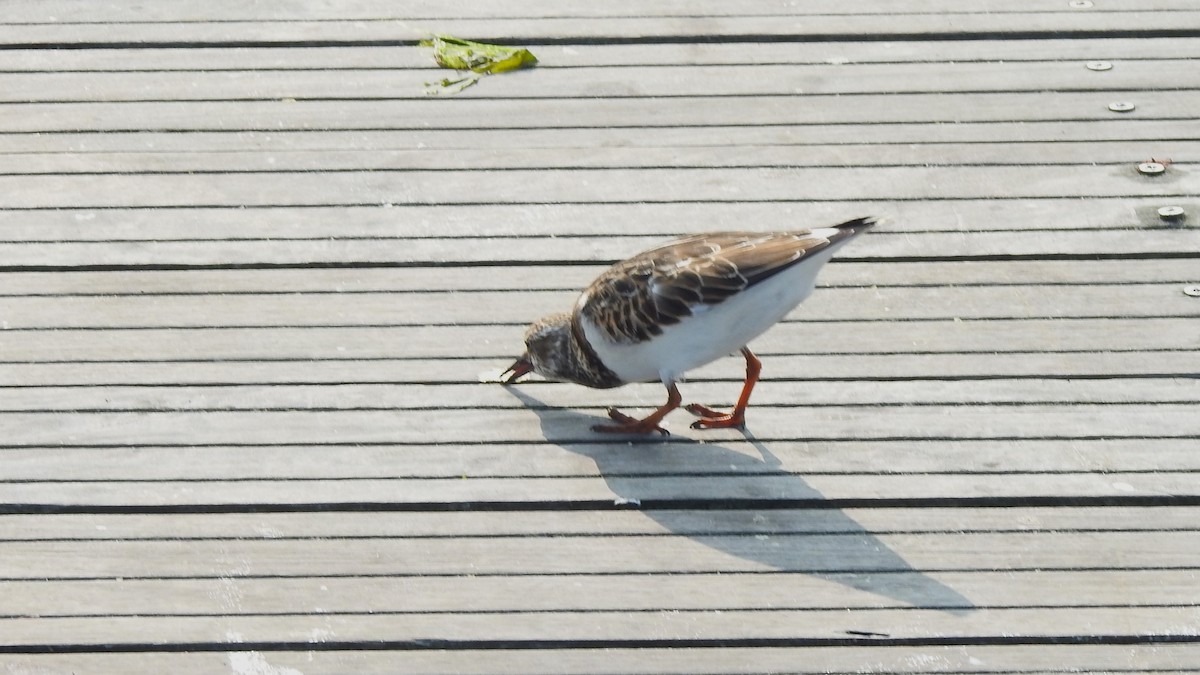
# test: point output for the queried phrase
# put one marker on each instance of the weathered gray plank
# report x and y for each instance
(934, 422)
(1151, 242)
(587, 55)
(399, 492)
(695, 592)
(489, 342)
(423, 397)
(501, 114)
(680, 625)
(1168, 659)
(624, 27)
(596, 523)
(593, 55)
(1159, 135)
(601, 457)
(1058, 153)
(588, 185)
(229, 592)
(847, 554)
(399, 372)
(519, 308)
(31, 11)
(534, 459)
(296, 228)
(572, 278)
(575, 593)
(606, 82)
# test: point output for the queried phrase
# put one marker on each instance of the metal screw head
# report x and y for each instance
(1099, 65)
(1151, 168)
(1121, 106)
(1171, 213)
(1079, 4)
(1193, 291)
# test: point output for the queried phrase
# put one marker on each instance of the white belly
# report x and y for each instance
(712, 331)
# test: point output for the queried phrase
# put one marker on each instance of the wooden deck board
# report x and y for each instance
(614, 82)
(1056, 591)
(33, 11)
(432, 237)
(615, 627)
(292, 161)
(349, 58)
(990, 459)
(1035, 659)
(65, 144)
(609, 520)
(774, 393)
(854, 553)
(262, 251)
(433, 278)
(510, 308)
(584, 185)
(216, 346)
(252, 280)
(391, 29)
(535, 494)
(690, 112)
(1064, 365)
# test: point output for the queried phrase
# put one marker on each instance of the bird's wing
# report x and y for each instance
(634, 299)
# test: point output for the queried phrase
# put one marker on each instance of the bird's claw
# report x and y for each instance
(729, 422)
(712, 419)
(628, 425)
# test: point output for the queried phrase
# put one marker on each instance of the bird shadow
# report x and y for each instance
(675, 480)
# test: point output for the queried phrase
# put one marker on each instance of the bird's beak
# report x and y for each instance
(522, 366)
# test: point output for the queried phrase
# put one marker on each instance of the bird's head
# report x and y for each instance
(548, 350)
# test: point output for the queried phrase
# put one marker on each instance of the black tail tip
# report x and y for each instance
(861, 224)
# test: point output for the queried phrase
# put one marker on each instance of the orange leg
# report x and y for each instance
(711, 419)
(631, 425)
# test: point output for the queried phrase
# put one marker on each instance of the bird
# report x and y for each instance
(676, 307)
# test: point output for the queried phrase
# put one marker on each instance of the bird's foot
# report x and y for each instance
(713, 419)
(629, 425)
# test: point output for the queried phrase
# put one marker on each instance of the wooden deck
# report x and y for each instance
(251, 278)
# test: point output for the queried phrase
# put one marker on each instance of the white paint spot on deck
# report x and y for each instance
(254, 663)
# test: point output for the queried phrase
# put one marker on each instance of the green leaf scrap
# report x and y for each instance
(477, 57)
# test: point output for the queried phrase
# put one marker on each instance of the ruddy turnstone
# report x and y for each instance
(673, 308)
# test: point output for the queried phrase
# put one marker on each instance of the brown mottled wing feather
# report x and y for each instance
(633, 299)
